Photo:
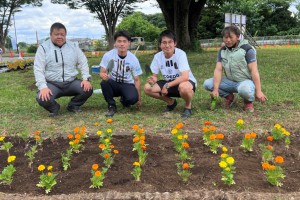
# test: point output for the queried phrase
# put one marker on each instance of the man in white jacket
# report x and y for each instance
(56, 67)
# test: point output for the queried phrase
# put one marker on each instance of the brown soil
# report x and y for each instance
(159, 176)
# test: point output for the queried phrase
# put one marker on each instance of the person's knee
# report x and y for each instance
(45, 103)
(208, 84)
(147, 89)
(246, 92)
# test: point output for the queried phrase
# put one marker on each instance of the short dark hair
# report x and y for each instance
(122, 33)
(167, 33)
(57, 25)
(231, 29)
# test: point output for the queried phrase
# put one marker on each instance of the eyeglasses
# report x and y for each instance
(167, 42)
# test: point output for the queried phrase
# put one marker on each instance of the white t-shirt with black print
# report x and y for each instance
(172, 67)
(124, 69)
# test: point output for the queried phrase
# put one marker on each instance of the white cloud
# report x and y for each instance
(80, 23)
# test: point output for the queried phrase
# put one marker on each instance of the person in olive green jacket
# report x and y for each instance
(237, 58)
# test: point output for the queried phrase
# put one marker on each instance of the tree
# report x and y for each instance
(107, 11)
(156, 19)
(136, 25)
(7, 9)
(182, 16)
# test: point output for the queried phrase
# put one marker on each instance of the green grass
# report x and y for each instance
(279, 71)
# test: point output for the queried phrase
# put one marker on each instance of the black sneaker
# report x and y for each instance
(186, 112)
(74, 109)
(54, 114)
(111, 111)
(171, 107)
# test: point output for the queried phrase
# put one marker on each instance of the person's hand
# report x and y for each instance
(45, 94)
(104, 76)
(261, 97)
(152, 80)
(139, 103)
(214, 93)
(86, 85)
(164, 91)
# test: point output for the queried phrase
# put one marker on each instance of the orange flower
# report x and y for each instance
(272, 167)
(135, 127)
(220, 136)
(116, 151)
(97, 173)
(49, 174)
(212, 137)
(142, 142)
(142, 137)
(109, 120)
(207, 123)
(185, 145)
(106, 156)
(270, 138)
(185, 166)
(82, 132)
(76, 130)
(279, 159)
(265, 165)
(205, 129)
(95, 166)
(83, 128)
(144, 148)
(248, 136)
(70, 136)
(212, 128)
(37, 132)
(269, 147)
(140, 131)
(179, 125)
(96, 124)
(253, 135)
(136, 139)
(77, 136)
(111, 146)
(76, 141)
(101, 146)
(37, 137)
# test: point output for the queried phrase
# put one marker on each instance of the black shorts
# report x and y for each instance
(173, 91)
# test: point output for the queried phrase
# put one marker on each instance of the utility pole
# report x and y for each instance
(16, 34)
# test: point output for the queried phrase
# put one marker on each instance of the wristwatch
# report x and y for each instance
(89, 79)
(167, 85)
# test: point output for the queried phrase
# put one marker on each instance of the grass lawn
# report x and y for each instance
(279, 70)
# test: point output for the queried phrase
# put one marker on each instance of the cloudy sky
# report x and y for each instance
(79, 23)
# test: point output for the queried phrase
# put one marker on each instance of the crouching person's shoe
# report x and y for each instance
(249, 107)
(169, 108)
(111, 111)
(230, 100)
(186, 113)
(73, 108)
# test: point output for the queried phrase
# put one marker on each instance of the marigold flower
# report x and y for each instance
(82, 133)
(142, 137)
(136, 164)
(116, 151)
(144, 148)
(111, 146)
(37, 137)
(253, 135)
(135, 127)
(212, 137)
(269, 147)
(37, 132)
(11, 159)
(220, 136)
(97, 173)
(96, 124)
(230, 160)
(224, 155)
(83, 128)
(136, 139)
(277, 126)
(185, 166)
(95, 167)
(279, 159)
(41, 167)
(185, 145)
(106, 156)
(70, 136)
(50, 167)
(212, 128)
(71, 143)
(270, 138)
(76, 130)
(109, 120)
(223, 164)
(185, 136)
(99, 132)
(180, 137)
(107, 140)
(265, 165)
(142, 142)
(49, 174)
(286, 133)
(140, 131)
(109, 130)
(224, 149)
(2, 138)
(174, 131)
(205, 129)
(102, 146)
(77, 136)
(179, 125)
(227, 169)
(240, 121)
(248, 136)
(272, 167)
(207, 123)
(76, 141)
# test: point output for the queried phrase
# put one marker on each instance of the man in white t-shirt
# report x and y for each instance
(120, 71)
(178, 81)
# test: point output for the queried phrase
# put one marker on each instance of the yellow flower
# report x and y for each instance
(227, 169)
(109, 130)
(224, 149)
(240, 121)
(286, 133)
(179, 137)
(185, 136)
(11, 159)
(49, 174)
(71, 143)
(136, 164)
(41, 167)
(230, 160)
(277, 126)
(109, 120)
(106, 140)
(174, 131)
(99, 132)
(50, 167)
(2, 138)
(96, 124)
(224, 155)
(223, 164)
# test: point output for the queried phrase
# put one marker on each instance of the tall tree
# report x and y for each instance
(107, 11)
(182, 16)
(7, 9)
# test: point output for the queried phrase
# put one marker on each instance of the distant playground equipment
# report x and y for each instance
(136, 42)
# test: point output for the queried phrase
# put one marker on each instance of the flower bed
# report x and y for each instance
(18, 64)
(159, 172)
